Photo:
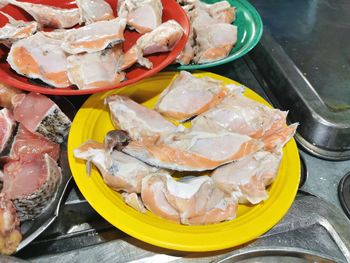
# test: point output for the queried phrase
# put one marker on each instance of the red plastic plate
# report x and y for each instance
(171, 10)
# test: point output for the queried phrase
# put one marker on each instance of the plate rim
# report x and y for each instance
(279, 207)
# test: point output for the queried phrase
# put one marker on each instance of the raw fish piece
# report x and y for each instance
(276, 141)
(28, 146)
(98, 69)
(161, 39)
(153, 194)
(119, 171)
(6, 95)
(94, 10)
(188, 96)
(193, 150)
(31, 185)
(7, 127)
(40, 115)
(239, 114)
(191, 200)
(137, 120)
(142, 15)
(94, 37)
(133, 200)
(222, 12)
(48, 15)
(33, 57)
(248, 178)
(15, 30)
(10, 233)
(214, 41)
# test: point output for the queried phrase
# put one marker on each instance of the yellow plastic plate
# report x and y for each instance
(93, 122)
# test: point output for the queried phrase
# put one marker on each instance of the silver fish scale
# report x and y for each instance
(29, 207)
(55, 126)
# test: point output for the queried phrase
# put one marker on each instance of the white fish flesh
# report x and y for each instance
(119, 171)
(139, 121)
(33, 57)
(194, 151)
(248, 178)
(191, 201)
(188, 96)
(240, 114)
(16, 29)
(31, 185)
(94, 37)
(98, 69)
(161, 39)
(94, 10)
(134, 200)
(10, 233)
(6, 94)
(7, 127)
(49, 16)
(40, 115)
(142, 15)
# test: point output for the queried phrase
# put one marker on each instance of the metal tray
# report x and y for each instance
(304, 68)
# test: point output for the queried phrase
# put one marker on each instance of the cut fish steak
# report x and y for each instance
(119, 171)
(222, 12)
(248, 178)
(94, 10)
(6, 95)
(28, 146)
(33, 57)
(161, 39)
(10, 234)
(240, 114)
(134, 200)
(40, 115)
(98, 69)
(142, 15)
(15, 30)
(94, 37)
(193, 150)
(7, 127)
(139, 121)
(191, 200)
(49, 16)
(188, 96)
(31, 185)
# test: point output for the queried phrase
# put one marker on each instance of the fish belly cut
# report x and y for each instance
(119, 171)
(16, 29)
(50, 16)
(10, 233)
(191, 200)
(40, 115)
(94, 70)
(188, 96)
(142, 15)
(33, 57)
(161, 39)
(239, 114)
(139, 121)
(28, 146)
(248, 178)
(31, 185)
(215, 42)
(94, 37)
(194, 151)
(94, 11)
(7, 127)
